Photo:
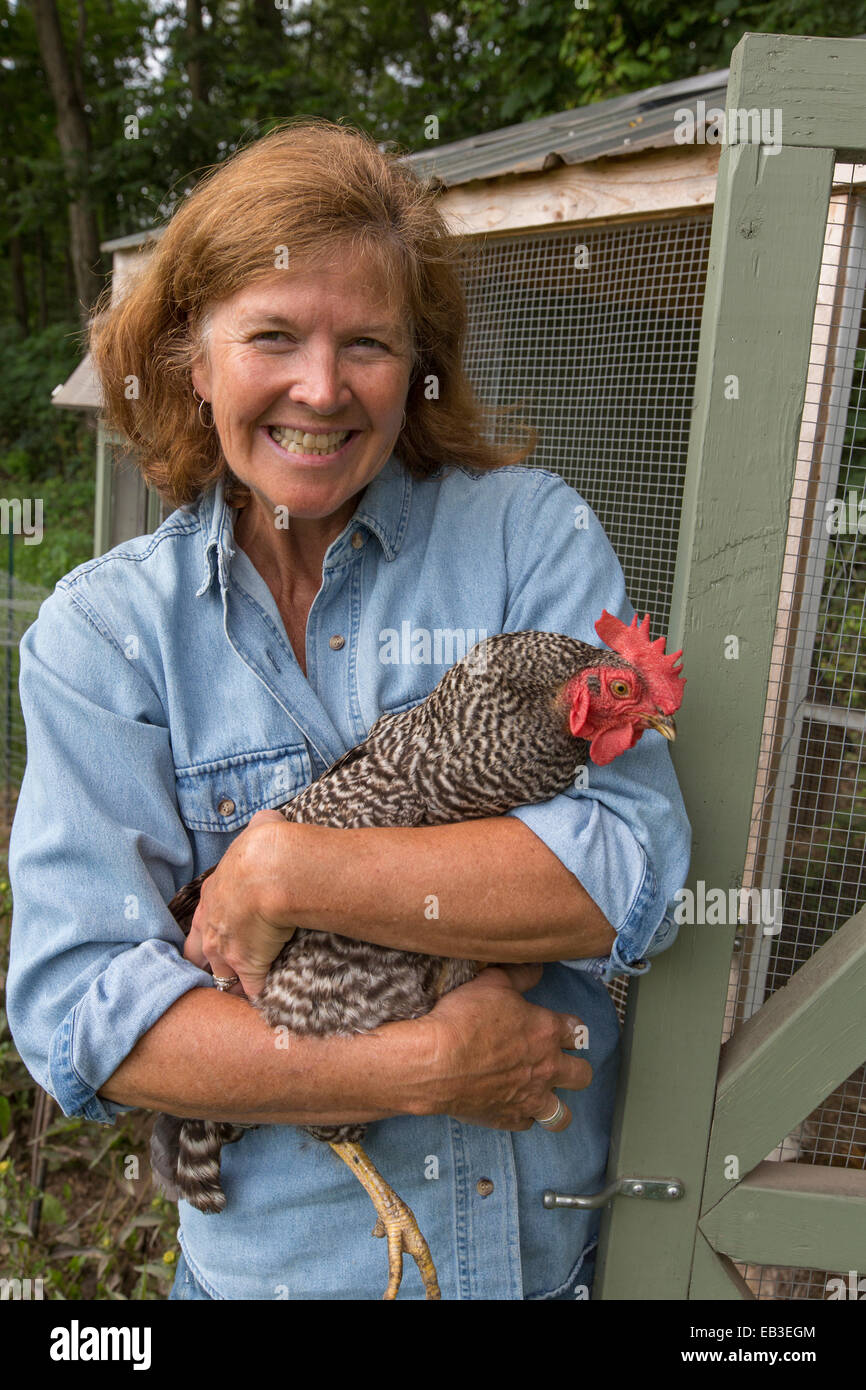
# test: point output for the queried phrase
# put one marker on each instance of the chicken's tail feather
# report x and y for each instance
(198, 1161)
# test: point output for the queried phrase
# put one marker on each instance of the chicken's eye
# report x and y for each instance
(620, 689)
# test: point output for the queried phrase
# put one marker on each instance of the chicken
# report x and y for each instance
(508, 725)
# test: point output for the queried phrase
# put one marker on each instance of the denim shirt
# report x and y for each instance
(164, 706)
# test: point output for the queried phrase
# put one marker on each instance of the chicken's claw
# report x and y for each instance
(395, 1221)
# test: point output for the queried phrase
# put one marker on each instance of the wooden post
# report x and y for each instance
(765, 255)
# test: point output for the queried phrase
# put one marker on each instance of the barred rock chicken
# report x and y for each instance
(506, 726)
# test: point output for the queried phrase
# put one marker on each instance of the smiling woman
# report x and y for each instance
(307, 288)
(295, 342)
(310, 196)
(308, 415)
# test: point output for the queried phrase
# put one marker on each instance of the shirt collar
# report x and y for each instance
(384, 510)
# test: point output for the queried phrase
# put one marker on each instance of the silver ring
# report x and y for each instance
(225, 982)
(555, 1118)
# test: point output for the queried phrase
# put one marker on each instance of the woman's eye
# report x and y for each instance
(273, 334)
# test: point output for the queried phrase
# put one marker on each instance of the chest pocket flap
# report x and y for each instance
(407, 704)
(225, 795)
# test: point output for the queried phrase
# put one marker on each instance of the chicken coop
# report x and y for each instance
(670, 287)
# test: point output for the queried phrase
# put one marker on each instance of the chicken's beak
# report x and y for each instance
(663, 724)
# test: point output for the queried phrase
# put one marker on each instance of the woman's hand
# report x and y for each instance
(232, 929)
(495, 1059)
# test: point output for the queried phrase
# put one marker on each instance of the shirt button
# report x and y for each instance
(226, 806)
(484, 1187)
(337, 642)
(357, 539)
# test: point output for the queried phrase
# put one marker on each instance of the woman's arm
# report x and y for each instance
(484, 1055)
(486, 890)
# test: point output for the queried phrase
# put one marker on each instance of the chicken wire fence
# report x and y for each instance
(594, 331)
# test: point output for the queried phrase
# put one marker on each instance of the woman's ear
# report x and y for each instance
(200, 371)
(201, 378)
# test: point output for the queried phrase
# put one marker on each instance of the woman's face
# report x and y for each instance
(319, 351)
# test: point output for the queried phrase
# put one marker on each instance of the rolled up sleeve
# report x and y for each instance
(97, 850)
(625, 834)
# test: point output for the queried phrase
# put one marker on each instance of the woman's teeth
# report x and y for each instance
(296, 442)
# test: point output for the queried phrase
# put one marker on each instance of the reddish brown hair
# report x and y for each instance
(315, 187)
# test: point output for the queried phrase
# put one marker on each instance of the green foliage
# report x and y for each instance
(67, 541)
(45, 453)
(542, 58)
(37, 439)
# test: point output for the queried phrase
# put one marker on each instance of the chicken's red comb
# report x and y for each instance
(660, 672)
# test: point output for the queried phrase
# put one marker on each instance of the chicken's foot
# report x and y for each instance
(395, 1221)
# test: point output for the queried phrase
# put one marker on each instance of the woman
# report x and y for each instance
(179, 688)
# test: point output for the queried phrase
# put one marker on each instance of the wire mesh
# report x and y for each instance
(594, 332)
(808, 831)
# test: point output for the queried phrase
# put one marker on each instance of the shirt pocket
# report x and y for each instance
(407, 704)
(225, 795)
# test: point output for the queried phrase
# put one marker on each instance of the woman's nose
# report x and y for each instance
(317, 381)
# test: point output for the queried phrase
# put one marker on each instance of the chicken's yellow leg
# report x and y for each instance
(396, 1220)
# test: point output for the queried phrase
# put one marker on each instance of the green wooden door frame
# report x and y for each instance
(762, 282)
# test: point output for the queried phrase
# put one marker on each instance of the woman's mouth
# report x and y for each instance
(305, 445)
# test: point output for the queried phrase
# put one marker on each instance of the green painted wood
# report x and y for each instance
(715, 1277)
(793, 1214)
(786, 1060)
(764, 262)
(817, 84)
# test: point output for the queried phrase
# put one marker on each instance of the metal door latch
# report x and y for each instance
(654, 1189)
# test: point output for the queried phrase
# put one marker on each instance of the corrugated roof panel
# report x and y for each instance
(639, 120)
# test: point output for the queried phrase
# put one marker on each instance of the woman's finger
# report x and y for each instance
(193, 950)
(573, 1074)
(522, 977)
(574, 1033)
(252, 980)
(223, 971)
(550, 1110)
